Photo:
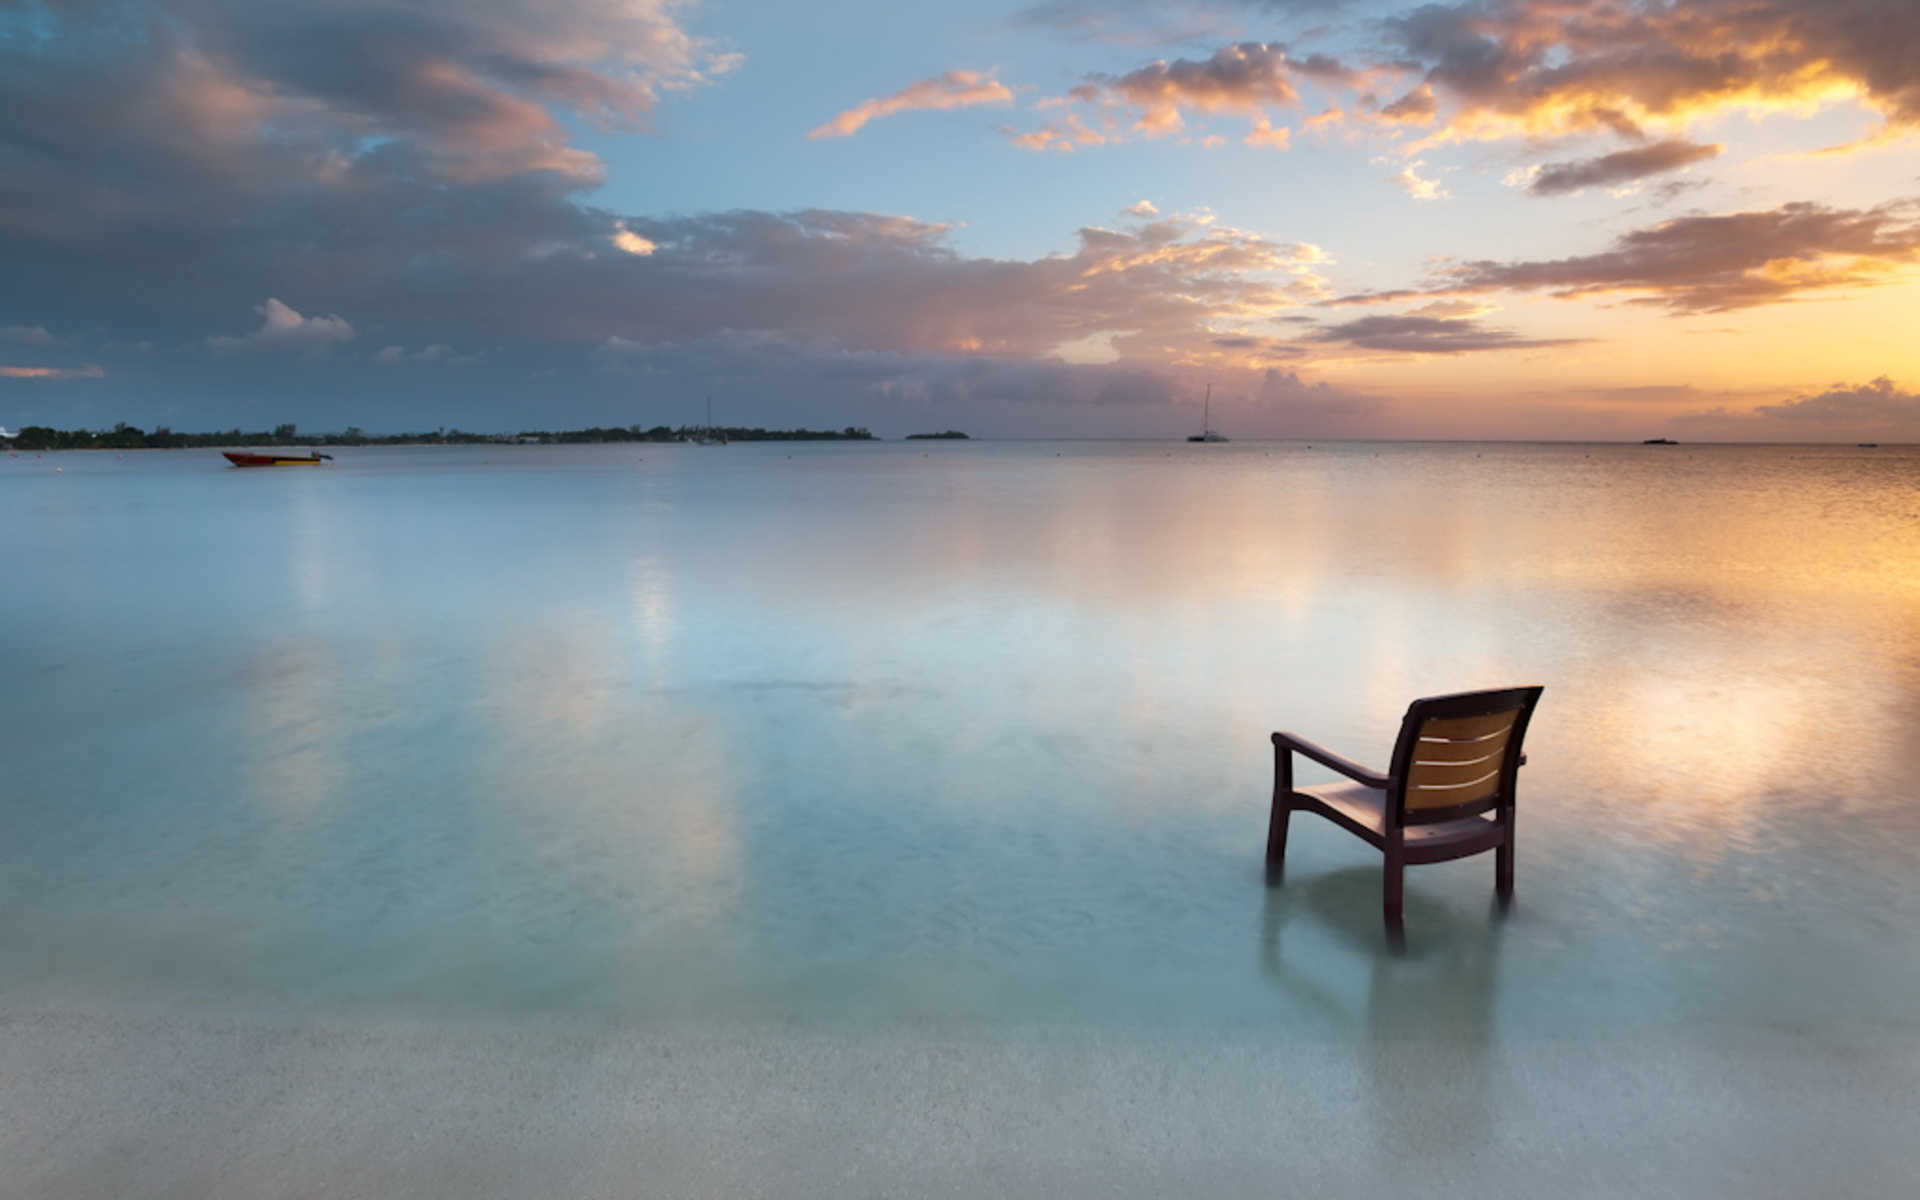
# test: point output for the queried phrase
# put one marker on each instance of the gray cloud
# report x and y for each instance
(1876, 403)
(1428, 335)
(1156, 22)
(282, 328)
(1246, 77)
(384, 192)
(1873, 411)
(22, 335)
(1316, 409)
(1624, 166)
(1714, 263)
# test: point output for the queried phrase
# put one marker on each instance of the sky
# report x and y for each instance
(1511, 219)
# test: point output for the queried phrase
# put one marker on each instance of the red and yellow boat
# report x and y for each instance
(246, 458)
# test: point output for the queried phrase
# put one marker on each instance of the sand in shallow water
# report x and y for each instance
(133, 1106)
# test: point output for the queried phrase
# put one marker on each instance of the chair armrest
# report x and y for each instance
(1327, 758)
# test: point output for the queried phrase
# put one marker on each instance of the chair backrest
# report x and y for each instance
(1458, 755)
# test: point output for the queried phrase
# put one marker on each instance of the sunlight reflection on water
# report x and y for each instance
(967, 732)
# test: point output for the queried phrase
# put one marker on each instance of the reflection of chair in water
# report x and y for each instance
(1422, 1022)
(1448, 792)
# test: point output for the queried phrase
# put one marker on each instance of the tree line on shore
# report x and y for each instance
(128, 437)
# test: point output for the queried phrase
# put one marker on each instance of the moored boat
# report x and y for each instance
(708, 435)
(1207, 432)
(246, 458)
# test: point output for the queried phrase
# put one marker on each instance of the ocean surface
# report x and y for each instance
(964, 734)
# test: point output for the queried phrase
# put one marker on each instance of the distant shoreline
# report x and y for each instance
(128, 437)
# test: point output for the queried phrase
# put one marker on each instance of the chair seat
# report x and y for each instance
(1364, 810)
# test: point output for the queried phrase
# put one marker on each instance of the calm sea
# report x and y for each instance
(951, 732)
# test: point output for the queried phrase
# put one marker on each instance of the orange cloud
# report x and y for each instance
(1066, 135)
(1245, 78)
(1644, 70)
(90, 371)
(955, 89)
(1551, 67)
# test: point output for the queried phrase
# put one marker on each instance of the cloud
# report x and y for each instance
(1325, 409)
(284, 329)
(1515, 67)
(1642, 70)
(386, 161)
(90, 371)
(955, 89)
(631, 242)
(1621, 167)
(869, 281)
(908, 381)
(1715, 263)
(1411, 182)
(1875, 404)
(438, 352)
(1411, 334)
(1066, 134)
(461, 90)
(36, 335)
(1874, 411)
(1150, 22)
(157, 220)
(1246, 78)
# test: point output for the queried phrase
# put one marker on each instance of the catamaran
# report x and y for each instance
(1207, 433)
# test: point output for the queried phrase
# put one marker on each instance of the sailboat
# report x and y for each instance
(709, 436)
(1207, 433)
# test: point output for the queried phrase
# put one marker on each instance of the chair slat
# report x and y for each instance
(1459, 728)
(1450, 775)
(1435, 750)
(1420, 799)
(1457, 760)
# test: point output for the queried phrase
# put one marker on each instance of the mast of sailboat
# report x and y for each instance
(1206, 411)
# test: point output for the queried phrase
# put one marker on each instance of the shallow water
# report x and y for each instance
(967, 733)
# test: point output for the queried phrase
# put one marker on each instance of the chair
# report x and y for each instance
(1448, 792)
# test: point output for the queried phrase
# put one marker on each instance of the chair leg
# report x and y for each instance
(1393, 887)
(1503, 870)
(1277, 835)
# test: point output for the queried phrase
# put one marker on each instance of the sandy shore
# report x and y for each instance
(172, 1105)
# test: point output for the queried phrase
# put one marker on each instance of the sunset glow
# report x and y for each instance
(1571, 219)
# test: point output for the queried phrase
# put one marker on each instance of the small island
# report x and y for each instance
(951, 434)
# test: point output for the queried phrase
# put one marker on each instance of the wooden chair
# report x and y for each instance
(1448, 792)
